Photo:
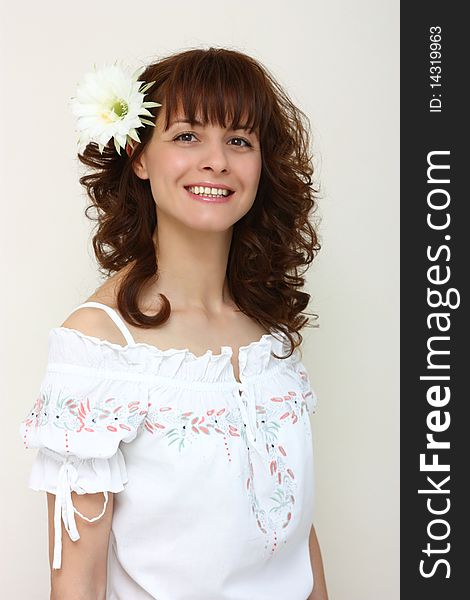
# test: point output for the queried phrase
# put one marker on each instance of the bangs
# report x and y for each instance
(219, 90)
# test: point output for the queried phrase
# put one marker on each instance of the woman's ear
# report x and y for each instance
(138, 165)
(129, 149)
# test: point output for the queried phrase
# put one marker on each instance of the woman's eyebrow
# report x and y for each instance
(196, 122)
(243, 127)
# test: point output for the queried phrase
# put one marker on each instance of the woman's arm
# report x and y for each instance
(84, 563)
(319, 591)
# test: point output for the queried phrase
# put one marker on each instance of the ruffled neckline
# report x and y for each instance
(169, 351)
(70, 346)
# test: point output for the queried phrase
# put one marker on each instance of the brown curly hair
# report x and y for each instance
(272, 245)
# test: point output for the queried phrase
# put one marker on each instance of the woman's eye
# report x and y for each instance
(244, 143)
(242, 140)
(183, 134)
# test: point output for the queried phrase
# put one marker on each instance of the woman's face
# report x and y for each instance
(184, 157)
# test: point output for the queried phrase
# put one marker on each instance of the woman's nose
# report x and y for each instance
(215, 157)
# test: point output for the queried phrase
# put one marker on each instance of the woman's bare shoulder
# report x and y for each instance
(95, 321)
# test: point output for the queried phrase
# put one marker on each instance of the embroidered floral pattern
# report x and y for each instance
(70, 414)
(182, 428)
(308, 396)
(279, 411)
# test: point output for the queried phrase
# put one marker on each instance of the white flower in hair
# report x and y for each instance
(109, 104)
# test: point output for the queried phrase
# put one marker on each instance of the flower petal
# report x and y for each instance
(147, 86)
(109, 103)
(116, 145)
(133, 134)
(150, 104)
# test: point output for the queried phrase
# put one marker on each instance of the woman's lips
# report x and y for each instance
(217, 200)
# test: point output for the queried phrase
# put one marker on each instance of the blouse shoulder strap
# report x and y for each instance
(114, 316)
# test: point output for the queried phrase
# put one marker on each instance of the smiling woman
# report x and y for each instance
(174, 159)
(197, 431)
(246, 135)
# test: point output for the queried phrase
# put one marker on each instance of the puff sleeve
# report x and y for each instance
(90, 401)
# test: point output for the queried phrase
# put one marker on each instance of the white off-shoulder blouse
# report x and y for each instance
(213, 478)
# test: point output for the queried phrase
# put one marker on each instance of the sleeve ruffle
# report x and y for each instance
(86, 476)
(77, 424)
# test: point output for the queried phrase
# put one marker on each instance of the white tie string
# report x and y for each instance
(248, 410)
(65, 509)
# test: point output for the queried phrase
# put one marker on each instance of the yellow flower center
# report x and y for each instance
(118, 110)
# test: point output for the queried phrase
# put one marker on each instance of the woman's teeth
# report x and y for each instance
(207, 191)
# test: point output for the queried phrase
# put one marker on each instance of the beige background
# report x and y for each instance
(339, 62)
